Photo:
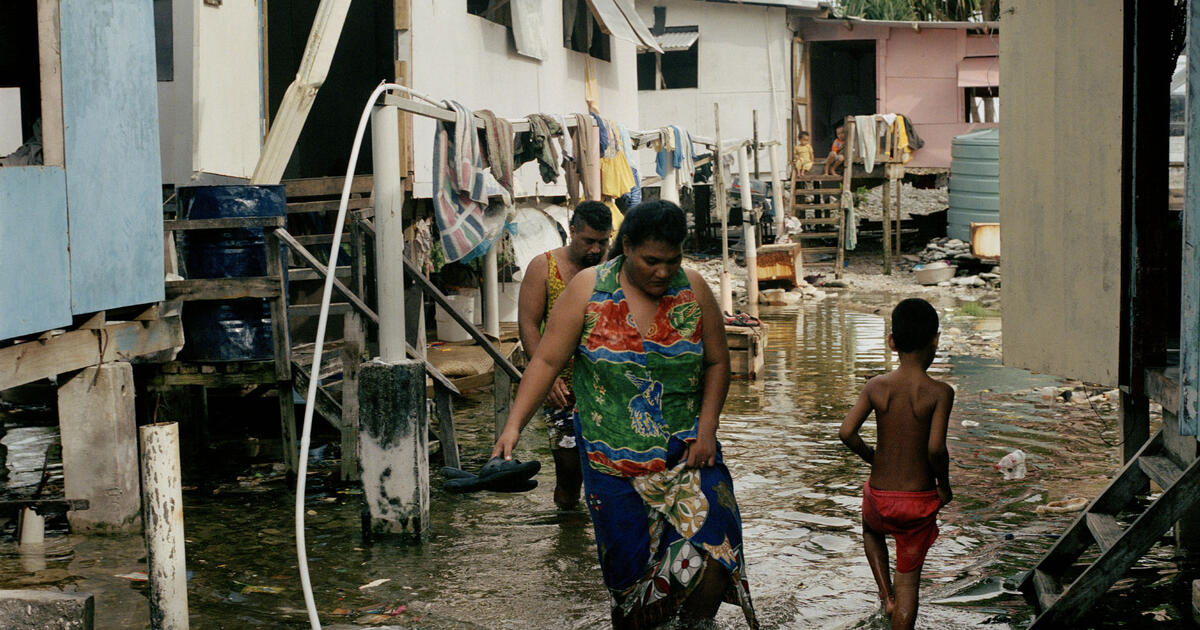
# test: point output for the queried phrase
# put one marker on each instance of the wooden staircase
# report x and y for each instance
(1118, 527)
(817, 203)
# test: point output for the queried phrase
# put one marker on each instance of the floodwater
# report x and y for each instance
(514, 561)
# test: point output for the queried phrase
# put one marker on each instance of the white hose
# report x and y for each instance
(314, 380)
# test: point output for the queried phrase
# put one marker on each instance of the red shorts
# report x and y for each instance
(910, 517)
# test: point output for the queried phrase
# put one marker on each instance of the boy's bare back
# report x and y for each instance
(911, 414)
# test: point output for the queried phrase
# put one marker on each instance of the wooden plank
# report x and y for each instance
(444, 408)
(49, 33)
(326, 186)
(501, 398)
(287, 425)
(221, 289)
(44, 507)
(312, 310)
(177, 225)
(320, 239)
(353, 348)
(326, 405)
(217, 379)
(328, 205)
(281, 336)
(1162, 386)
(43, 358)
(1105, 529)
(1048, 590)
(1160, 469)
(306, 275)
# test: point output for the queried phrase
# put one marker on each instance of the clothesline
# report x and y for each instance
(522, 125)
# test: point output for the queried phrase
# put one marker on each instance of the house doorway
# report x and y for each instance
(842, 84)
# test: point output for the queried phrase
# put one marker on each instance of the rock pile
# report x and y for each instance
(946, 249)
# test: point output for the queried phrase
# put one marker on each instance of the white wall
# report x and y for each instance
(745, 64)
(210, 115)
(459, 56)
(175, 99)
(228, 88)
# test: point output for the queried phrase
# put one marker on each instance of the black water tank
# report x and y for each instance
(229, 330)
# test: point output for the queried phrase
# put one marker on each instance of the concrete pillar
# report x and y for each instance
(393, 447)
(163, 499)
(99, 448)
(389, 230)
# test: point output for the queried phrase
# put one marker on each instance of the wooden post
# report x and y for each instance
(723, 211)
(886, 198)
(445, 413)
(394, 447)
(162, 500)
(755, 142)
(282, 340)
(502, 397)
(847, 195)
(899, 184)
(748, 236)
(353, 347)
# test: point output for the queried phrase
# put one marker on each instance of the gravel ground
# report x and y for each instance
(913, 201)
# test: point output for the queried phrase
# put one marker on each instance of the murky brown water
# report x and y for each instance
(513, 561)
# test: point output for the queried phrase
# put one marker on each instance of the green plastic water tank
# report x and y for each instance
(974, 181)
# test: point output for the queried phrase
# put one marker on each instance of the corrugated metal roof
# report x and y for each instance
(676, 41)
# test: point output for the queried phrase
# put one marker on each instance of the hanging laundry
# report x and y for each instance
(868, 136)
(634, 196)
(498, 137)
(538, 144)
(587, 155)
(463, 189)
(665, 146)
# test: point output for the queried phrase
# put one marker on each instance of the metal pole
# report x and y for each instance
(162, 501)
(748, 235)
(491, 291)
(389, 231)
(723, 211)
(755, 142)
(776, 192)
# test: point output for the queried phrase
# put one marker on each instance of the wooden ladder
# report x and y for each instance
(1120, 543)
(819, 209)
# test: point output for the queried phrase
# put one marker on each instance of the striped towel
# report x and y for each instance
(463, 188)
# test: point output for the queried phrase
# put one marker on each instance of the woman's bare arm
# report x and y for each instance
(715, 382)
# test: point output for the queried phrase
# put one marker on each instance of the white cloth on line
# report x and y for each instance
(868, 137)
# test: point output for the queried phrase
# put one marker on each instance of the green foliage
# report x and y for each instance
(877, 9)
(975, 309)
(921, 10)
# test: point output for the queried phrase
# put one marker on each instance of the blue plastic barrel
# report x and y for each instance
(974, 181)
(228, 330)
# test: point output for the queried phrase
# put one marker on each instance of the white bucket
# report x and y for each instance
(464, 303)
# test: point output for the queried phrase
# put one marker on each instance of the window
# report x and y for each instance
(677, 67)
(164, 40)
(498, 11)
(982, 104)
(582, 32)
(20, 85)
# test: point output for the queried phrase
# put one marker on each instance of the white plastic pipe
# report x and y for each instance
(748, 235)
(669, 188)
(162, 502)
(322, 320)
(389, 232)
(491, 291)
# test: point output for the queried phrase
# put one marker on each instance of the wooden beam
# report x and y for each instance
(221, 289)
(177, 225)
(326, 186)
(43, 358)
(49, 33)
(328, 205)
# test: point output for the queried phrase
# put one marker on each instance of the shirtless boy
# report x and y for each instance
(910, 477)
(836, 156)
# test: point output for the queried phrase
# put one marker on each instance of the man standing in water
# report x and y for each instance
(545, 279)
(910, 478)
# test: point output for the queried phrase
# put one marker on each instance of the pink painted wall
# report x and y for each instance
(916, 74)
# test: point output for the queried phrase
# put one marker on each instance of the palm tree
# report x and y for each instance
(921, 10)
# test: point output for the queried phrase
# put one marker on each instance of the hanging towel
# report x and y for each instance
(665, 146)
(498, 136)
(462, 189)
(587, 156)
(634, 196)
(868, 136)
(537, 144)
(564, 138)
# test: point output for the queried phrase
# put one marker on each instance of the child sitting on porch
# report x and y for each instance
(836, 156)
(802, 155)
(910, 479)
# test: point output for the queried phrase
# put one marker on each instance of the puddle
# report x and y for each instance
(514, 561)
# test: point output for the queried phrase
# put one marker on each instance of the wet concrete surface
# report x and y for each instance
(514, 561)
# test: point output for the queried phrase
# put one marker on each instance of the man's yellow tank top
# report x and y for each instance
(554, 288)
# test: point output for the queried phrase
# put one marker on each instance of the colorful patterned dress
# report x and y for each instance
(637, 403)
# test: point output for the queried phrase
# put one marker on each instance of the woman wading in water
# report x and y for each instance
(651, 375)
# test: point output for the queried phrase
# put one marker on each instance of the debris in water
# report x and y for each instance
(269, 590)
(374, 583)
(136, 576)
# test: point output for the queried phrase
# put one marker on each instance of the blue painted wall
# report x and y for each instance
(35, 288)
(114, 177)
